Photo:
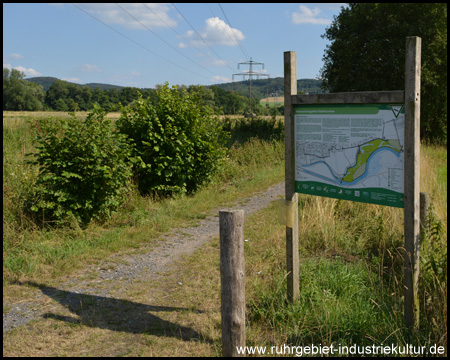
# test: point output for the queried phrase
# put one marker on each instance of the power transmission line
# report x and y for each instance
(176, 32)
(250, 74)
(159, 37)
(212, 12)
(202, 37)
(140, 45)
(234, 35)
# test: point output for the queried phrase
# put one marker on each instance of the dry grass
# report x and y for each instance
(166, 318)
(433, 170)
(56, 114)
(274, 99)
(178, 315)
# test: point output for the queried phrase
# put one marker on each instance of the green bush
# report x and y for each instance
(180, 142)
(85, 169)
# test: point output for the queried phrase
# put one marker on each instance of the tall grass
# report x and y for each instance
(351, 253)
(29, 251)
(351, 272)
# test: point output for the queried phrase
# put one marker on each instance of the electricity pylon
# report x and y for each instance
(250, 73)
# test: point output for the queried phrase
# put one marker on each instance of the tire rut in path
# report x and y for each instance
(120, 271)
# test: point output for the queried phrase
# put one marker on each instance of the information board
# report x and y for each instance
(351, 152)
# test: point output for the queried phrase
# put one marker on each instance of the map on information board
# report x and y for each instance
(351, 152)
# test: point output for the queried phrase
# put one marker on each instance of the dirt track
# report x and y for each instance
(113, 276)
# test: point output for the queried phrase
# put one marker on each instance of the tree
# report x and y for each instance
(20, 95)
(57, 95)
(128, 95)
(206, 95)
(86, 98)
(34, 97)
(60, 105)
(367, 52)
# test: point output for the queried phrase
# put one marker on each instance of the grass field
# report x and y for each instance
(272, 101)
(350, 267)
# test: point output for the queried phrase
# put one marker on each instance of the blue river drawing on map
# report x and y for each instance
(372, 167)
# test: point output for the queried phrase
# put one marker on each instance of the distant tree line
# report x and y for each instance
(22, 95)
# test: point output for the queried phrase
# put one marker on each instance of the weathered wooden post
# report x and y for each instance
(232, 278)
(424, 212)
(412, 179)
(290, 88)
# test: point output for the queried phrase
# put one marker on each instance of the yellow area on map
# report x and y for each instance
(364, 152)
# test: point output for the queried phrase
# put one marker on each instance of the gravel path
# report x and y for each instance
(120, 271)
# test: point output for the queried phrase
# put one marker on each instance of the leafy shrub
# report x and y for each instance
(84, 168)
(179, 141)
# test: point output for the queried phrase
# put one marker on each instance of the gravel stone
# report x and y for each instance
(109, 274)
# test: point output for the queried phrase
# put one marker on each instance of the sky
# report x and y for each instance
(142, 45)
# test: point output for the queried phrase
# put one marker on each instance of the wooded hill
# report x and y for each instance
(261, 88)
(264, 88)
(47, 81)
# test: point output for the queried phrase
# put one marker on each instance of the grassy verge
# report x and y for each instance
(350, 282)
(31, 253)
(344, 301)
(350, 271)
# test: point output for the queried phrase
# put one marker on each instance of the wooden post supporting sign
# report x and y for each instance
(290, 89)
(412, 179)
(232, 279)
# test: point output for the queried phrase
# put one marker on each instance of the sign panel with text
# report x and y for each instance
(351, 151)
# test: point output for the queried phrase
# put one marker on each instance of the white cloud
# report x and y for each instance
(13, 56)
(74, 79)
(309, 16)
(182, 45)
(89, 68)
(218, 62)
(219, 79)
(132, 84)
(28, 72)
(216, 32)
(124, 78)
(150, 15)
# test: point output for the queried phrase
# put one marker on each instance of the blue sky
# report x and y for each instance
(143, 45)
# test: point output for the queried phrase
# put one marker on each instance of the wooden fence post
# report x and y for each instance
(412, 179)
(292, 258)
(232, 278)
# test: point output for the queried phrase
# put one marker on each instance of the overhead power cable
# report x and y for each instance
(234, 35)
(201, 37)
(212, 12)
(140, 45)
(176, 32)
(165, 42)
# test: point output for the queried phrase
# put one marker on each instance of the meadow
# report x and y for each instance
(350, 255)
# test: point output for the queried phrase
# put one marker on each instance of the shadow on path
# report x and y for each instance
(117, 314)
